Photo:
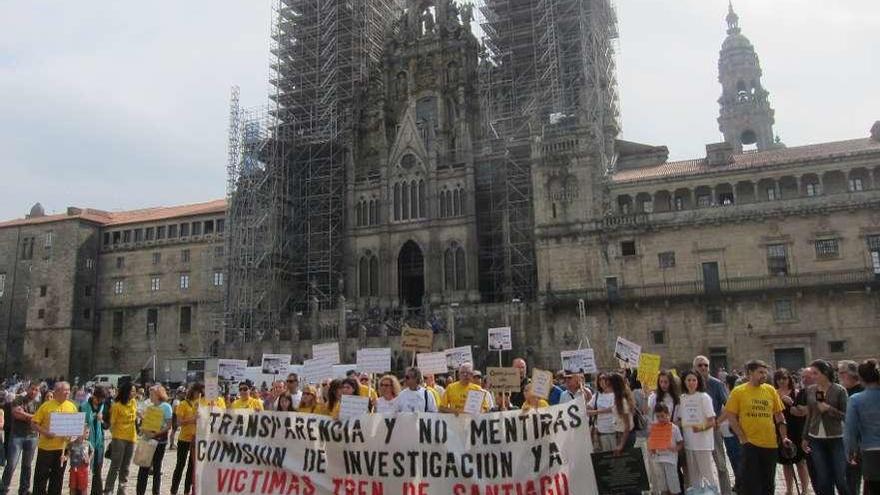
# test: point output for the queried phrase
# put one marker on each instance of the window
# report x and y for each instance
(628, 248)
(106, 238)
(126, 236)
(455, 268)
(218, 279)
(221, 225)
(150, 233)
(90, 263)
(50, 238)
(714, 314)
(219, 252)
(184, 256)
(648, 206)
(155, 283)
(679, 203)
(138, 235)
(667, 259)
(855, 184)
(185, 319)
(777, 263)
(771, 194)
(827, 249)
(612, 289)
(160, 233)
(658, 337)
(41, 313)
(87, 290)
(152, 321)
(836, 346)
(120, 262)
(87, 314)
(46, 352)
(404, 201)
(814, 189)
(783, 310)
(209, 226)
(27, 248)
(184, 281)
(2, 284)
(725, 199)
(157, 258)
(172, 231)
(197, 228)
(118, 323)
(117, 236)
(368, 275)
(874, 249)
(118, 287)
(184, 230)
(43, 290)
(704, 200)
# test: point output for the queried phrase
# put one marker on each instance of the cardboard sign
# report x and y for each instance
(317, 370)
(660, 437)
(649, 368)
(581, 361)
(628, 352)
(432, 363)
(542, 383)
(353, 406)
(500, 339)
(474, 402)
(326, 351)
(458, 356)
(504, 379)
(416, 339)
(275, 364)
(67, 424)
(376, 360)
(231, 370)
(154, 419)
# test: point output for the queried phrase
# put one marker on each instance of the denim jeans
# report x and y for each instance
(27, 447)
(733, 448)
(829, 461)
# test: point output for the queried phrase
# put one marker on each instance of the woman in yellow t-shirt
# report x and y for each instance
(187, 415)
(533, 402)
(123, 415)
(309, 402)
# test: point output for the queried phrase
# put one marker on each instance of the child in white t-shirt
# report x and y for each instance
(665, 460)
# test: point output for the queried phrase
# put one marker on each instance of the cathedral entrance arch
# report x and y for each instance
(411, 274)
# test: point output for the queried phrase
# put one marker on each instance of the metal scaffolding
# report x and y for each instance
(547, 64)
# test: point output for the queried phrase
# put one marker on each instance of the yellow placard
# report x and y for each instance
(154, 419)
(649, 367)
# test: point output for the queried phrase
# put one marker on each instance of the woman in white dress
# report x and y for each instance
(696, 418)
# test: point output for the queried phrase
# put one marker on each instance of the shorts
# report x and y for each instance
(79, 478)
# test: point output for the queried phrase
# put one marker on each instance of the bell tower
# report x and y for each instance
(746, 117)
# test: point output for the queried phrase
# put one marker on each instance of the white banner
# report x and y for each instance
(279, 453)
(375, 360)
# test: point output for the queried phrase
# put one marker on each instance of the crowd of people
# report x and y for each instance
(820, 423)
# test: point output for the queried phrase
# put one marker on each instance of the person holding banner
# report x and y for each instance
(697, 418)
(456, 393)
(245, 401)
(338, 388)
(308, 401)
(664, 444)
(157, 422)
(49, 470)
(415, 398)
(123, 415)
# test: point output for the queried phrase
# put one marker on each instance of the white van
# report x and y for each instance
(108, 380)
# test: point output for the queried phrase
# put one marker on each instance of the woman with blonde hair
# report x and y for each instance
(389, 389)
(159, 405)
(533, 402)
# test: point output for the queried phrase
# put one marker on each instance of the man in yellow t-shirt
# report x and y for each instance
(245, 401)
(456, 393)
(49, 471)
(755, 412)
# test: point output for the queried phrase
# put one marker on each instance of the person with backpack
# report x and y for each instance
(414, 397)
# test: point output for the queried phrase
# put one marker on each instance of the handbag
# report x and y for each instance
(705, 488)
(143, 453)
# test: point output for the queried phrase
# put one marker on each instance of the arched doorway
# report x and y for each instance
(411, 274)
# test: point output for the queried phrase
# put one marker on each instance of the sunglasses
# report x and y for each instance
(292, 381)
(704, 365)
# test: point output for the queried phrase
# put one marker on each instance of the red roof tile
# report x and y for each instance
(749, 160)
(124, 217)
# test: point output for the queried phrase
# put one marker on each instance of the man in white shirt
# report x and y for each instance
(574, 389)
(414, 397)
(292, 385)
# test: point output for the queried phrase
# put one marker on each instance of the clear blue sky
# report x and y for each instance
(121, 105)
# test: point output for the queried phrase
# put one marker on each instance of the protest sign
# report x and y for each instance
(649, 368)
(474, 402)
(154, 419)
(212, 381)
(377, 360)
(231, 370)
(500, 339)
(504, 379)
(691, 410)
(660, 437)
(542, 383)
(628, 352)
(458, 356)
(275, 364)
(416, 453)
(432, 363)
(67, 424)
(580, 361)
(416, 339)
(326, 351)
(620, 473)
(353, 406)
(316, 370)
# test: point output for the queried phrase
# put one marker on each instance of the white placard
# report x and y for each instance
(231, 370)
(376, 360)
(579, 361)
(341, 370)
(385, 407)
(329, 351)
(628, 352)
(275, 364)
(317, 370)
(432, 363)
(500, 339)
(67, 424)
(691, 410)
(474, 402)
(212, 381)
(457, 356)
(542, 382)
(353, 406)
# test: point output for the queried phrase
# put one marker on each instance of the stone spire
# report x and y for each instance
(746, 117)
